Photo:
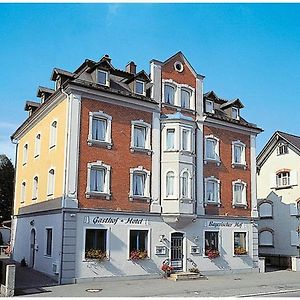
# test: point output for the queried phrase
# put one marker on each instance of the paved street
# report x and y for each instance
(272, 284)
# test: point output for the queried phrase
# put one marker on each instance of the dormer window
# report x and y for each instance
(235, 113)
(140, 87)
(102, 77)
(209, 106)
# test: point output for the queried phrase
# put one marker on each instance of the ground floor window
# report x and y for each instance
(48, 241)
(211, 247)
(240, 245)
(95, 244)
(138, 244)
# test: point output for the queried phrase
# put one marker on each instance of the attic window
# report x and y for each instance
(235, 113)
(102, 77)
(140, 87)
(209, 106)
(282, 149)
(178, 66)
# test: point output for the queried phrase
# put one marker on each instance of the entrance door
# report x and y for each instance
(177, 251)
(32, 248)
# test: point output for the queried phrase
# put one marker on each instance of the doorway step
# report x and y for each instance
(186, 276)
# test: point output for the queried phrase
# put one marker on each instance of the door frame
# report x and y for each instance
(32, 252)
(184, 248)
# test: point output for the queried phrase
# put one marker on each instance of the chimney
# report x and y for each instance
(131, 67)
(106, 57)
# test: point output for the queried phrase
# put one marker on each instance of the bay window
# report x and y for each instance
(170, 142)
(170, 181)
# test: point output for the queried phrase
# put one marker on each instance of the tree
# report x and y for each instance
(7, 174)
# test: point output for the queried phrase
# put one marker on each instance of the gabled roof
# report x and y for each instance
(44, 90)
(31, 105)
(59, 72)
(237, 103)
(292, 140)
(140, 75)
(213, 96)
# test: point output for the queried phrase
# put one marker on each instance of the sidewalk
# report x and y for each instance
(214, 286)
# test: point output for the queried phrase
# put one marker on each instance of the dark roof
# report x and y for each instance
(45, 90)
(31, 105)
(236, 102)
(293, 139)
(140, 75)
(56, 72)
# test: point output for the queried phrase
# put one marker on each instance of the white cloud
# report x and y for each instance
(112, 12)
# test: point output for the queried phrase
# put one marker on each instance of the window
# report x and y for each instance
(209, 106)
(282, 149)
(138, 243)
(95, 244)
(48, 241)
(53, 134)
(235, 113)
(35, 188)
(140, 135)
(100, 129)
(140, 87)
(186, 140)
(211, 148)
(98, 181)
(265, 210)
(185, 98)
(212, 190)
(240, 244)
(185, 190)
(25, 154)
(51, 175)
(283, 179)
(169, 94)
(140, 183)
(266, 238)
(211, 241)
(102, 77)
(170, 139)
(170, 180)
(238, 153)
(37, 146)
(23, 192)
(239, 193)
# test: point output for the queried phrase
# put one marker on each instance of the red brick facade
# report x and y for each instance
(226, 174)
(119, 157)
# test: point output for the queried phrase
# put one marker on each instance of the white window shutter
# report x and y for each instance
(294, 238)
(293, 209)
(273, 180)
(294, 177)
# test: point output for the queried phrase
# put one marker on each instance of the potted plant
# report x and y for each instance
(240, 250)
(167, 269)
(138, 254)
(212, 253)
(95, 254)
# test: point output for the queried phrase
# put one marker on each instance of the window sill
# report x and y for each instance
(170, 198)
(141, 150)
(186, 152)
(212, 204)
(25, 163)
(51, 147)
(86, 260)
(283, 187)
(97, 195)
(143, 198)
(36, 156)
(266, 246)
(210, 160)
(238, 255)
(47, 256)
(239, 166)
(34, 199)
(97, 143)
(240, 206)
(267, 217)
(171, 150)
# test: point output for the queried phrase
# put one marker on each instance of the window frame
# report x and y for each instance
(23, 192)
(272, 209)
(174, 139)
(280, 146)
(106, 77)
(49, 192)
(266, 229)
(100, 115)
(35, 188)
(237, 117)
(143, 86)
(188, 187)
(25, 154)
(107, 242)
(147, 127)
(288, 178)
(53, 134)
(147, 242)
(204, 240)
(172, 85)
(244, 194)
(107, 181)
(240, 144)
(212, 111)
(167, 195)
(246, 240)
(189, 92)
(37, 145)
(189, 139)
(46, 242)
(217, 182)
(217, 149)
(146, 173)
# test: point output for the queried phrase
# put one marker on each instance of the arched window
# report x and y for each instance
(185, 98)
(265, 210)
(139, 183)
(23, 192)
(212, 190)
(185, 189)
(266, 237)
(37, 147)
(212, 148)
(169, 94)
(170, 179)
(53, 134)
(51, 175)
(25, 154)
(239, 193)
(35, 188)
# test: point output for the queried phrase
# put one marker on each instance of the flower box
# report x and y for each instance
(95, 254)
(138, 254)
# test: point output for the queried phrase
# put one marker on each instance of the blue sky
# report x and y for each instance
(249, 51)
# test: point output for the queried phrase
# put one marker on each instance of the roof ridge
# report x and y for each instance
(296, 136)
